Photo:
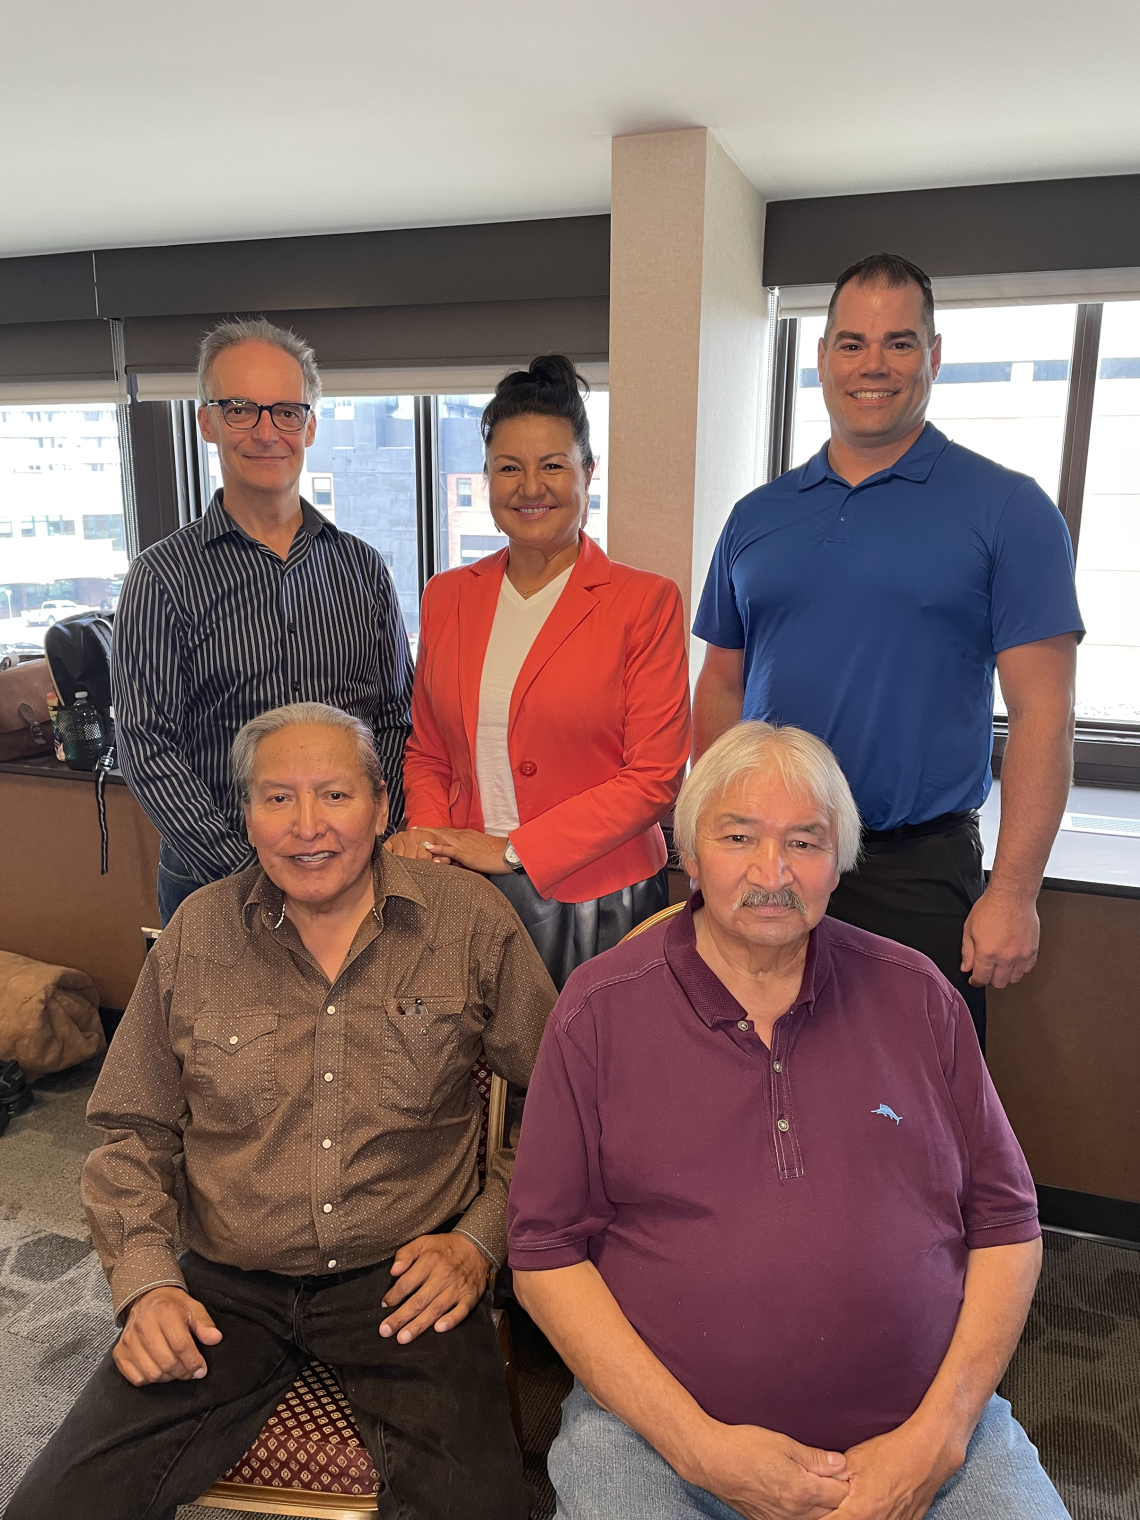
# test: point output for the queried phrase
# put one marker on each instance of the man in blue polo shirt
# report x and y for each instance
(867, 597)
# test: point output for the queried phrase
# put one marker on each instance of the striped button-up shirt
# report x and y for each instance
(214, 628)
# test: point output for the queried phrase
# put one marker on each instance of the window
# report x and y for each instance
(462, 505)
(5, 527)
(1108, 544)
(1002, 389)
(362, 474)
(51, 559)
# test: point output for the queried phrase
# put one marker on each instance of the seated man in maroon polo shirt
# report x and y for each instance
(767, 1204)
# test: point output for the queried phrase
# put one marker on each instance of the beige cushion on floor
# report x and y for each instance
(49, 1015)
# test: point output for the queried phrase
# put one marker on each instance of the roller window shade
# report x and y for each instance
(489, 335)
(423, 381)
(58, 361)
(1038, 289)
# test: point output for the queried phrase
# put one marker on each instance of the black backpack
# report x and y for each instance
(78, 650)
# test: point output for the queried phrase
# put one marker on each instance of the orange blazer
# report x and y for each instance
(598, 733)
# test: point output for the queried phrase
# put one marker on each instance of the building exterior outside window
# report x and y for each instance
(467, 530)
(61, 515)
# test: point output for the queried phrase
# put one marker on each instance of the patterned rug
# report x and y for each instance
(1074, 1382)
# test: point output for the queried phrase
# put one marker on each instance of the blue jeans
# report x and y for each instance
(602, 1470)
(175, 883)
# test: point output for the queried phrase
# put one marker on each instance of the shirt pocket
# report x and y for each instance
(425, 1052)
(232, 1067)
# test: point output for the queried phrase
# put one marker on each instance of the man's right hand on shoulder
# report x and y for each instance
(159, 1343)
(767, 1476)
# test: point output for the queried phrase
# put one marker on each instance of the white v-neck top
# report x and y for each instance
(518, 620)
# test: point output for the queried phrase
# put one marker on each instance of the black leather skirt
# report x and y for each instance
(566, 934)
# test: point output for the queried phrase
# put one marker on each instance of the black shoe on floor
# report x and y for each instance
(15, 1095)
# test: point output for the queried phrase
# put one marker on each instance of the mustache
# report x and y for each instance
(756, 897)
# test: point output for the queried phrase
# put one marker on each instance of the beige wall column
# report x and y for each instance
(688, 316)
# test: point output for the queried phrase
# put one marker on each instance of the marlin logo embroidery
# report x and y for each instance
(887, 1113)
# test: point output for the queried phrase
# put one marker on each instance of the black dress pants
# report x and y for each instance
(918, 888)
(433, 1414)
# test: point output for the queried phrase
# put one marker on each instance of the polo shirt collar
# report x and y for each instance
(711, 1000)
(217, 522)
(916, 464)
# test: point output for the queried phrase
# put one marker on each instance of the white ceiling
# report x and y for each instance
(149, 121)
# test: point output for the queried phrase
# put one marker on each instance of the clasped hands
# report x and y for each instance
(767, 1476)
(440, 1279)
(463, 847)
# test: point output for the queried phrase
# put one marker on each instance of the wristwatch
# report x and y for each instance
(511, 856)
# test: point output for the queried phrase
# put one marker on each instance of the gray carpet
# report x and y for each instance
(1074, 1383)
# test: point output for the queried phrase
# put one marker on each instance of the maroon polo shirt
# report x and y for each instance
(787, 1229)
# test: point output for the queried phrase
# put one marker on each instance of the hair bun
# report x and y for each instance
(549, 387)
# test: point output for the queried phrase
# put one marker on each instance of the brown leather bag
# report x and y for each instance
(25, 727)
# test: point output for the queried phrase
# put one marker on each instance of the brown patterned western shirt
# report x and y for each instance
(273, 1122)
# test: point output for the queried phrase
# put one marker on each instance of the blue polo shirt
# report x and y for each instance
(872, 615)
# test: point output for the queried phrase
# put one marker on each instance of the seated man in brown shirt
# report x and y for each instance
(289, 1094)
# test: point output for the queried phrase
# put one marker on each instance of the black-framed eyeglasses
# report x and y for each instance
(241, 413)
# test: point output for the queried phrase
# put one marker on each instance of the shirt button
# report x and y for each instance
(742, 1024)
(326, 1144)
(781, 1125)
(292, 627)
(333, 1262)
(327, 1208)
(776, 1066)
(528, 768)
(331, 1008)
(233, 1039)
(328, 1076)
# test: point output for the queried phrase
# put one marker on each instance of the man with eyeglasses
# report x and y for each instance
(259, 603)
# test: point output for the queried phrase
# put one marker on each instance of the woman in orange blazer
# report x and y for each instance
(550, 712)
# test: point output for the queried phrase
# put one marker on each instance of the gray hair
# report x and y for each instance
(316, 714)
(257, 330)
(802, 761)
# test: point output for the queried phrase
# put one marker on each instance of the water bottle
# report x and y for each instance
(83, 733)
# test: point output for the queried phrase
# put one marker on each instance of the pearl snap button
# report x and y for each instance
(781, 1124)
(327, 1208)
(328, 1076)
(333, 1262)
(233, 1039)
(326, 1144)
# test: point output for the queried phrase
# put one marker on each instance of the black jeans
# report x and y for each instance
(433, 1414)
(919, 889)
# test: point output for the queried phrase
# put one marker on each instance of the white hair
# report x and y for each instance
(245, 746)
(257, 330)
(802, 761)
